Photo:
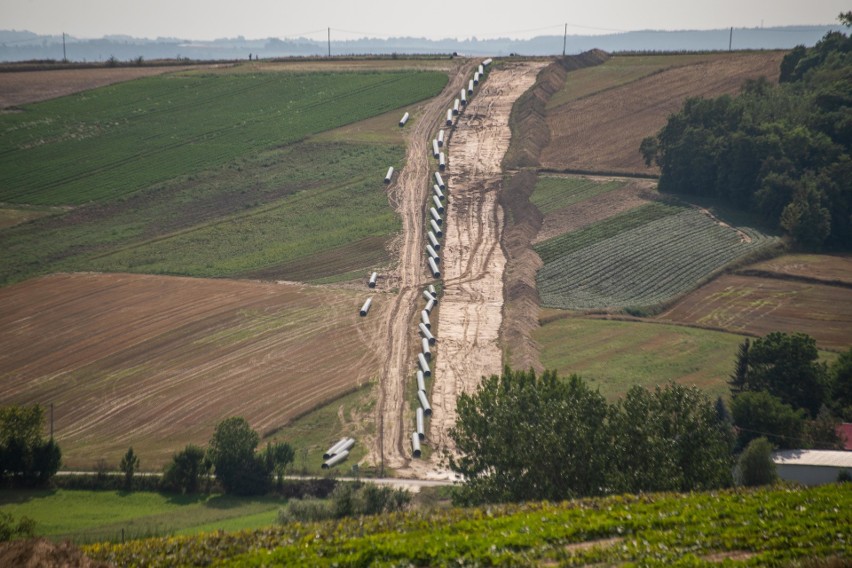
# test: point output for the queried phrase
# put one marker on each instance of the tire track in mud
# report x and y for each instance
(472, 257)
(408, 196)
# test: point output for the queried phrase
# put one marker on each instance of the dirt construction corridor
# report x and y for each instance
(472, 264)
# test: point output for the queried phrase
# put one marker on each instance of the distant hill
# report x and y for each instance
(24, 45)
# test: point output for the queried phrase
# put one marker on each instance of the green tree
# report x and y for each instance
(186, 469)
(840, 384)
(128, 465)
(760, 413)
(25, 456)
(671, 439)
(787, 366)
(739, 377)
(821, 432)
(278, 456)
(232, 453)
(755, 466)
(522, 437)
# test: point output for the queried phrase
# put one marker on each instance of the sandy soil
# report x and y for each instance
(602, 132)
(472, 258)
(19, 88)
(155, 362)
(398, 328)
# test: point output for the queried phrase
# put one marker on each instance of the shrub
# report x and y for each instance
(11, 529)
(755, 466)
(306, 510)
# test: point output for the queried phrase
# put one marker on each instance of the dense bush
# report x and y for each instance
(755, 466)
(26, 458)
(521, 437)
(347, 500)
(11, 528)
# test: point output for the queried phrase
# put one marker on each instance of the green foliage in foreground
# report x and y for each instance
(767, 527)
(113, 141)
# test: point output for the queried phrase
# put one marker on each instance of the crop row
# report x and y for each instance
(559, 246)
(645, 265)
(758, 527)
(113, 141)
(552, 193)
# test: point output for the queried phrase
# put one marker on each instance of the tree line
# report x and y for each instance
(27, 459)
(782, 152)
(523, 437)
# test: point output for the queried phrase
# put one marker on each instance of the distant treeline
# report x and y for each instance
(23, 46)
(783, 152)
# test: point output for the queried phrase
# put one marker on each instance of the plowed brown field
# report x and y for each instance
(155, 362)
(602, 132)
(22, 87)
(758, 305)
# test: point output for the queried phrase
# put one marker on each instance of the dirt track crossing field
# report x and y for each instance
(408, 196)
(155, 362)
(472, 258)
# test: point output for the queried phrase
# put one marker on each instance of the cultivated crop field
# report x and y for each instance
(637, 99)
(110, 142)
(760, 305)
(744, 527)
(638, 259)
(156, 362)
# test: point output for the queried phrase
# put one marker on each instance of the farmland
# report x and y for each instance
(156, 362)
(102, 144)
(639, 259)
(760, 305)
(637, 95)
(612, 356)
(653, 529)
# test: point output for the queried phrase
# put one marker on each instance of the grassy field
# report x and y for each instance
(110, 142)
(260, 216)
(615, 355)
(765, 527)
(93, 516)
(554, 193)
(351, 415)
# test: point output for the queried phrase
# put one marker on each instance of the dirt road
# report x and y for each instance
(408, 196)
(472, 258)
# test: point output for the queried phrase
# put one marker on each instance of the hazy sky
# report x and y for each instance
(350, 19)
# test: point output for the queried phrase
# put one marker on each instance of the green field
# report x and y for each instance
(639, 263)
(554, 193)
(613, 356)
(744, 527)
(110, 142)
(93, 516)
(261, 198)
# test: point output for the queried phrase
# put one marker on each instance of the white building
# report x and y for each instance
(812, 467)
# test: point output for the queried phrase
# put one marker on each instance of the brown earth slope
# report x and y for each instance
(602, 132)
(155, 362)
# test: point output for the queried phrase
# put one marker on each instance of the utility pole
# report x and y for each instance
(564, 40)
(64, 58)
(329, 43)
(730, 38)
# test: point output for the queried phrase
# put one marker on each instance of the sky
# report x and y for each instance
(435, 19)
